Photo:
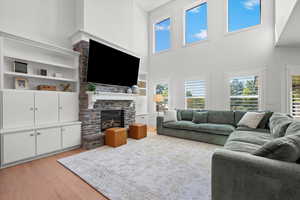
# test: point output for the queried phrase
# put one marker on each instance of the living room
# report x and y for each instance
(149, 99)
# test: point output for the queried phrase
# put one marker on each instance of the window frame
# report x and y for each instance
(242, 29)
(261, 81)
(159, 20)
(291, 70)
(186, 8)
(206, 91)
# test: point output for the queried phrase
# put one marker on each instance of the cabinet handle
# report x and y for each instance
(31, 109)
(31, 135)
(60, 107)
(38, 133)
(36, 108)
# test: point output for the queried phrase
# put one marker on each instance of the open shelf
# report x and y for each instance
(15, 74)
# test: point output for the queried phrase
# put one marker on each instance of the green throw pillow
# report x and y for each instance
(200, 117)
(285, 149)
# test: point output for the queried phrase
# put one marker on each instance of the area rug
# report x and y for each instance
(154, 168)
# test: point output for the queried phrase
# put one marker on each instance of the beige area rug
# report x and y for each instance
(154, 168)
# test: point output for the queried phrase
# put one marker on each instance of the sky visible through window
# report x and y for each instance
(196, 24)
(243, 14)
(162, 35)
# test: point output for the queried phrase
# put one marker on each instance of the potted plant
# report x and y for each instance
(91, 87)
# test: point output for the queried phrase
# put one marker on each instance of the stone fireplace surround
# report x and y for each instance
(91, 118)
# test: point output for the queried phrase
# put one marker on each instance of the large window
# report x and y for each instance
(295, 96)
(162, 97)
(244, 93)
(195, 93)
(243, 14)
(162, 35)
(196, 23)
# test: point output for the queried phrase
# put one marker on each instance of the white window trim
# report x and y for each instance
(243, 29)
(290, 70)
(190, 6)
(163, 81)
(161, 19)
(261, 73)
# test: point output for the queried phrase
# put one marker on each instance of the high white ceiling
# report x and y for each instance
(149, 5)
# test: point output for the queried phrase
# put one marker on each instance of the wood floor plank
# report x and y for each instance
(45, 179)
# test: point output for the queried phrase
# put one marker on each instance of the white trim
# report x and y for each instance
(186, 8)
(159, 20)
(242, 29)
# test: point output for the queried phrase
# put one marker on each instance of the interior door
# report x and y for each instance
(18, 109)
(68, 107)
(46, 107)
(71, 136)
(48, 140)
(18, 146)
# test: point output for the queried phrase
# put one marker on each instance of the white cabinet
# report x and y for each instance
(48, 140)
(18, 109)
(143, 119)
(18, 146)
(71, 136)
(68, 107)
(46, 108)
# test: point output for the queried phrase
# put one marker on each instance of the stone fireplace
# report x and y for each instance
(91, 116)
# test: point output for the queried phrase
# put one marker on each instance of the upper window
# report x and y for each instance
(196, 24)
(244, 93)
(162, 35)
(195, 94)
(243, 14)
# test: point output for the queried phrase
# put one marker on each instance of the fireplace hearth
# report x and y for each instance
(112, 118)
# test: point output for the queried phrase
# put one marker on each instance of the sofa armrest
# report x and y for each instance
(244, 176)
(159, 123)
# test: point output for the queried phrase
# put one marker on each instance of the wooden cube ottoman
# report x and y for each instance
(137, 131)
(115, 137)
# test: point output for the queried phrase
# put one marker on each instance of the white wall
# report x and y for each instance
(51, 21)
(221, 54)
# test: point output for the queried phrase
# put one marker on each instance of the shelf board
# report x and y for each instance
(39, 62)
(15, 74)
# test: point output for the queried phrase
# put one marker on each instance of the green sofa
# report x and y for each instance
(254, 164)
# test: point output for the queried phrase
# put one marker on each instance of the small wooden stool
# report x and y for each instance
(137, 131)
(115, 137)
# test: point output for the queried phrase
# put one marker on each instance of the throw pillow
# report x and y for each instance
(200, 117)
(170, 116)
(279, 123)
(285, 149)
(251, 119)
(294, 128)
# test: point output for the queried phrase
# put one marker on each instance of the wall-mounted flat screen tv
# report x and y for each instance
(107, 65)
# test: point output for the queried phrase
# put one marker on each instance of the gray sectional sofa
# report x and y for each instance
(255, 164)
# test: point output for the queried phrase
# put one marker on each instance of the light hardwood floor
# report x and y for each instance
(45, 179)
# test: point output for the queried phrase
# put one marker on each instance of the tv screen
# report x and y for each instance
(107, 65)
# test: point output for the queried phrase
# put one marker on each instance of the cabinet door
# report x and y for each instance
(71, 136)
(68, 107)
(18, 109)
(18, 146)
(48, 140)
(46, 107)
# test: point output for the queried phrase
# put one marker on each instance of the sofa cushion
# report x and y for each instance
(221, 117)
(179, 115)
(186, 115)
(250, 137)
(170, 116)
(264, 123)
(241, 146)
(279, 123)
(200, 117)
(294, 128)
(253, 129)
(285, 149)
(218, 129)
(251, 119)
(185, 125)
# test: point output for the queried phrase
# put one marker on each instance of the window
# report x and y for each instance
(295, 97)
(243, 14)
(195, 94)
(244, 94)
(162, 35)
(161, 97)
(196, 23)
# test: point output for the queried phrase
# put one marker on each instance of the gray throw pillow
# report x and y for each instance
(200, 117)
(285, 149)
(279, 123)
(294, 128)
(251, 119)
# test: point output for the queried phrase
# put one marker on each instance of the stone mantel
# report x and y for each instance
(93, 97)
